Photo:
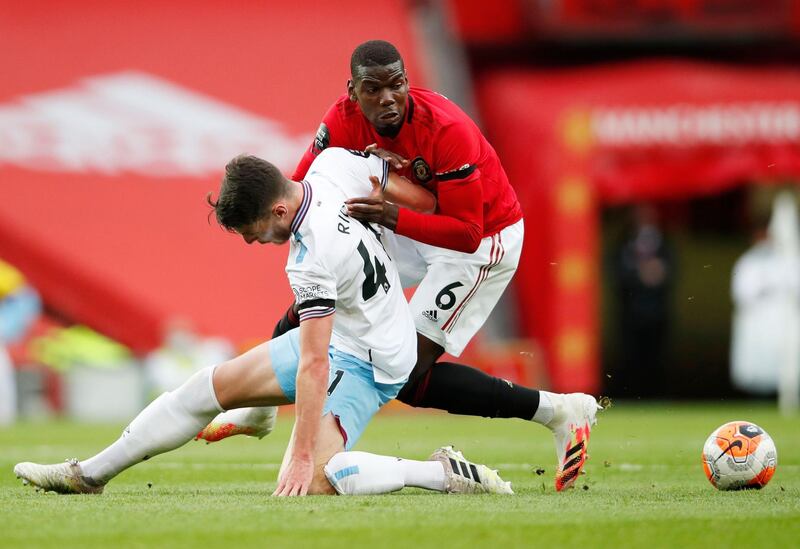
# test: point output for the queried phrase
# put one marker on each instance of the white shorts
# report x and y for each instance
(456, 291)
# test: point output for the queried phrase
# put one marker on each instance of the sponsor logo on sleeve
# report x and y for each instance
(306, 293)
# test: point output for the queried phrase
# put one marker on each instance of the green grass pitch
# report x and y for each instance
(644, 487)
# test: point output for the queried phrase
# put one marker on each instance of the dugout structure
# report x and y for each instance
(575, 140)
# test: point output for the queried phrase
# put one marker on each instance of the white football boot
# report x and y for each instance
(573, 417)
(464, 477)
(254, 422)
(64, 478)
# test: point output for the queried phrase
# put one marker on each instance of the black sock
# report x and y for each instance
(468, 391)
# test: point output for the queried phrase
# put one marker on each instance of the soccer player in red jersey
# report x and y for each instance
(461, 257)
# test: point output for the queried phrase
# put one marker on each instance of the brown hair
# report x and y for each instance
(250, 186)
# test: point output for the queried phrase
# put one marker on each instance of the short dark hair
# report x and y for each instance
(250, 186)
(373, 53)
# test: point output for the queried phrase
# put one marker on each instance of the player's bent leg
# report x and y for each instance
(428, 352)
(353, 398)
(165, 424)
(247, 380)
(459, 291)
(250, 380)
(461, 389)
(450, 305)
(273, 370)
(362, 473)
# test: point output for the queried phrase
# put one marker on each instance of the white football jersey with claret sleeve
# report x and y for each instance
(338, 264)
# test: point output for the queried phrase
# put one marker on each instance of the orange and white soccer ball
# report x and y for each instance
(739, 455)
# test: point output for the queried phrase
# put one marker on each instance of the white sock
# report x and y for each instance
(545, 411)
(360, 474)
(170, 421)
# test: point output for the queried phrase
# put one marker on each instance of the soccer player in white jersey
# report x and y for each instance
(356, 342)
(569, 416)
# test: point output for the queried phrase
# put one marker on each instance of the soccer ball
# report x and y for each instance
(739, 455)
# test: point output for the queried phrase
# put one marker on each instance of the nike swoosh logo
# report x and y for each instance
(735, 443)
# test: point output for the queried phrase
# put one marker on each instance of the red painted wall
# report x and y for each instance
(103, 182)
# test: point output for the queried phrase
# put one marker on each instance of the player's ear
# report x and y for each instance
(279, 209)
(351, 90)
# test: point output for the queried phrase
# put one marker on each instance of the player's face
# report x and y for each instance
(382, 93)
(271, 229)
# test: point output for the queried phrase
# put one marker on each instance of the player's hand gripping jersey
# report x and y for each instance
(339, 264)
(448, 156)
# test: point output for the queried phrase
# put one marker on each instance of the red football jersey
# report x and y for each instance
(448, 155)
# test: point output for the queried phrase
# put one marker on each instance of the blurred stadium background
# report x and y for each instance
(655, 149)
(646, 140)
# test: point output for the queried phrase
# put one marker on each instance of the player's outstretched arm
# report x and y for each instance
(312, 380)
(456, 225)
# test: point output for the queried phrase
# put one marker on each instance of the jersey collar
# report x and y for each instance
(304, 206)
(410, 109)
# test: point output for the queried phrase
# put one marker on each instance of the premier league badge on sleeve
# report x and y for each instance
(321, 140)
(422, 172)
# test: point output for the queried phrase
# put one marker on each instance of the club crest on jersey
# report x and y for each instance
(421, 170)
(321, 140)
